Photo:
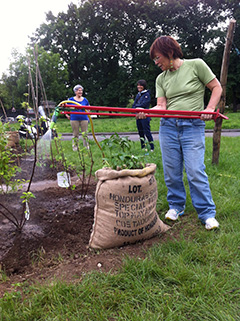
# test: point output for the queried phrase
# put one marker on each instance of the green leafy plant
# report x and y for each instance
(8, 182)
(118, 153)
(8, 167)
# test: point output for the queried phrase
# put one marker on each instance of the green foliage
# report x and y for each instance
(195, 24)
(119, 155)
(54, 75)
(26, 196)
(5, 99)
(8, 169)
(109, 60)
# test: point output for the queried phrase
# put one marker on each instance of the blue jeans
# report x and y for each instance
(143, 126)
(182, 143)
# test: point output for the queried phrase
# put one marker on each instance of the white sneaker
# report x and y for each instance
(173, 214)
(211, 223)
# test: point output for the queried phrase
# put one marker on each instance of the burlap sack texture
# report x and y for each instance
(13, 139)
(125, 210)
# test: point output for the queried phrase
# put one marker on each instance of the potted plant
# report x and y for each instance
(126, 195)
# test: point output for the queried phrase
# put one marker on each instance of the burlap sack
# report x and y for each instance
(125, 210)
(13, 139)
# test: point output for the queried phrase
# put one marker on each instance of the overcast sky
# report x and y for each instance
(19, 19)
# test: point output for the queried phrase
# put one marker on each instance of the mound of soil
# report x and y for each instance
(54, 241)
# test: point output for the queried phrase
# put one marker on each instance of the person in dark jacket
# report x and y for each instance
(143, 100)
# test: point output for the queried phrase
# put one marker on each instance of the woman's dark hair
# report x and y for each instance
(167, 46)
(143, 83)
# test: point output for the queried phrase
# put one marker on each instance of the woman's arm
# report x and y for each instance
(161, 104)
(216, 90)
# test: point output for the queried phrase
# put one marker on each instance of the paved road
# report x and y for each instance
(134, 136)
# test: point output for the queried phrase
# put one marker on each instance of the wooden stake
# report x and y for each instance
(223, 81)
(6, 117)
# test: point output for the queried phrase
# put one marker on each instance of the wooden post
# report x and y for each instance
(4, 111)
(223, 81)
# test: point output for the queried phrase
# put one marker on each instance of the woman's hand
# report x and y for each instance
(206, 117)
(141, 115)
(157, 107)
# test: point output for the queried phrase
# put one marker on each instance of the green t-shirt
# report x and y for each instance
(184, 88)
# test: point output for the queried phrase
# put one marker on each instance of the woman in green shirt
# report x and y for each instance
(181, 86)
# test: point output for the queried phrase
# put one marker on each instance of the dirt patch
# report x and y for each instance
(54, 242)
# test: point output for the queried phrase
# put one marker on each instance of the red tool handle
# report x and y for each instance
(128, 115)
(149, 112)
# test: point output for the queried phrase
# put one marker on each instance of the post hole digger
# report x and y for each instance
(66, 107)
(71, 107)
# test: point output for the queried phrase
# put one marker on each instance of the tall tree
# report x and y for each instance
(196, 23)
(105, 43)
(14, 86)
(53, 73)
